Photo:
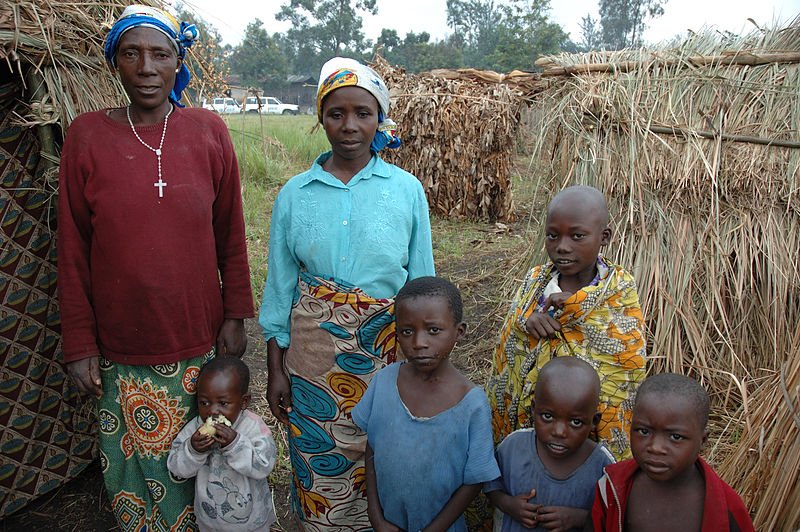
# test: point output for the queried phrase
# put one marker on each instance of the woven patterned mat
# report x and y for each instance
(47, 435)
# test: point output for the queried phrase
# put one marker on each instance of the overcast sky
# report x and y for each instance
(231, 17)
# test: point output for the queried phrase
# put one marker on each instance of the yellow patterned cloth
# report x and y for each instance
(601, 324)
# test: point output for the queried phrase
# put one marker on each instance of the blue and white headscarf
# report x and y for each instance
(181, 36)
(345, 72)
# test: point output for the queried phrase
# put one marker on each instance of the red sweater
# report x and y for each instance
(141, 279)
(723, 510)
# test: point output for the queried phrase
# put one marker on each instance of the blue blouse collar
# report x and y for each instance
(375, 167)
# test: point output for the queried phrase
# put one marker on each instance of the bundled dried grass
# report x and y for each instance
(698, 160)
(769, 448)
(459, 130)
(56, 47)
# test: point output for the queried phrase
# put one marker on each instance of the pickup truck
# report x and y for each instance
(269, 105)
(225, 106)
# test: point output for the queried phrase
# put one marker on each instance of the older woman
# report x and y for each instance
(345, 236)
(150, 221)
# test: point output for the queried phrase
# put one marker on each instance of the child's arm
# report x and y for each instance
(251, 452)
(518, 508)
(184, 460)
(454, 508)
(561, 517)
(374, 508)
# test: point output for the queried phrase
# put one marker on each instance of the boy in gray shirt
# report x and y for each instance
(229, 449)
(549, 472)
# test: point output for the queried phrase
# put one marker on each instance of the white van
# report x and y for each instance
(269, 105)
(225, 106)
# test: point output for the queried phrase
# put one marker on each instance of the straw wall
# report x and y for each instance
(459, 131)
(706, 216)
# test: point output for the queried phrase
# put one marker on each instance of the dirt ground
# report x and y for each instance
(481, 270)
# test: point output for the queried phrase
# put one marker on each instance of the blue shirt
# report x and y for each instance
(522, 470)
(421, 462)
(373, 232)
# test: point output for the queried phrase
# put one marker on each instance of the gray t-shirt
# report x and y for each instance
(521, 470)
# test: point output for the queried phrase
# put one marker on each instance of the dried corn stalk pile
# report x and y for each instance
(697, 149)
(459, 131)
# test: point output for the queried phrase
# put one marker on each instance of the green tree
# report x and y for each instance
(322, 29)
(506, 36)
(258, 59)
(591, 34)
(416, 53)
(622, 22)
(475, 25)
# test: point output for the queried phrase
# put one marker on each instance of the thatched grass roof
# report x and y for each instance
(56, 48)
(696, 148)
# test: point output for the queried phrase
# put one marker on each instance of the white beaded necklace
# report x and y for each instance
(160, 184)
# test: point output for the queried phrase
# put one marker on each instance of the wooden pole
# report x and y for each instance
(680, 132)
(730, 58)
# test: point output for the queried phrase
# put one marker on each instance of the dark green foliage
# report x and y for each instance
(622, 22)
(258, 59)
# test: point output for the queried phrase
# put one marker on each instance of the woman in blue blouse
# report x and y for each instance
(344, 237)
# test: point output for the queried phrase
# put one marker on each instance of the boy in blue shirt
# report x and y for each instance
(549, 472)
(428, 427)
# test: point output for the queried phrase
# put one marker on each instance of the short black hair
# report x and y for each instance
(222, 364)
(434, 287)
(675, 384)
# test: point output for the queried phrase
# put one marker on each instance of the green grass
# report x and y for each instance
(270, 150)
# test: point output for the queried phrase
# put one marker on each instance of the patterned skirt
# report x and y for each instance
(340, 338)
(141, 411)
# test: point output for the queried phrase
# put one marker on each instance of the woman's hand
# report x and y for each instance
(279, 390)
(231, 338)
(85, 373)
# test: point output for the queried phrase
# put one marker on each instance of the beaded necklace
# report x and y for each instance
(160, 183)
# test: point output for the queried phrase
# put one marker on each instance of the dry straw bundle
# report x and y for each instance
(696, 148)
(459, 131)
(762, 453)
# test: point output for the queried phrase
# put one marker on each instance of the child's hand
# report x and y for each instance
(225, 434)
(561, 518)
(382, 525)
(557, 300)
(520, 510)
(202, 443)
(542, 325)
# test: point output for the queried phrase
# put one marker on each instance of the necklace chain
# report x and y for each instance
(160, 184)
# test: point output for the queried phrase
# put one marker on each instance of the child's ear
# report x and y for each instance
(461, 330)
(606, 236)
(246, 400)
(596, 420)
(704, 439)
